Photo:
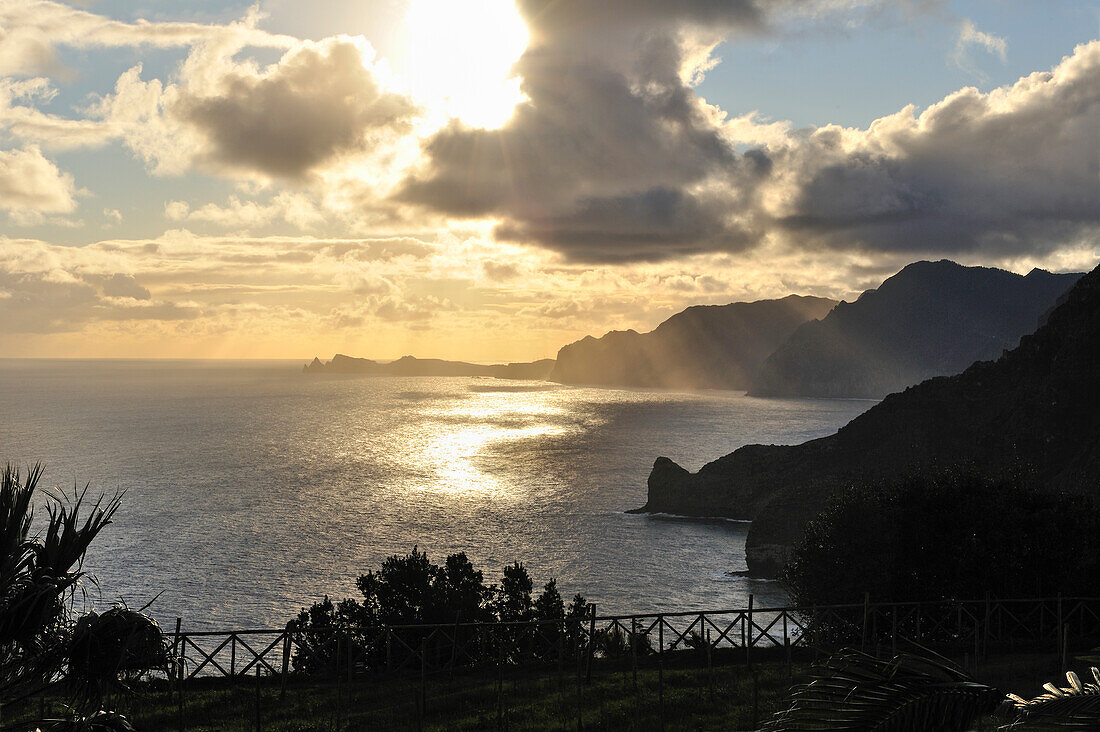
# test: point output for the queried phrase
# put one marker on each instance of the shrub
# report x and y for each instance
(410, 590)
(950, 536)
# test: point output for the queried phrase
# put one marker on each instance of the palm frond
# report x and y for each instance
(1076, 706)
(851, 690)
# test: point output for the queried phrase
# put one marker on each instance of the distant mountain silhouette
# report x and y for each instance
(411, 366)
(706, 346)
(1036, 409)
(930, 319)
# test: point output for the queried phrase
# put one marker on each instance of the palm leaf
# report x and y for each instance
(851, 690)
(1076, 706)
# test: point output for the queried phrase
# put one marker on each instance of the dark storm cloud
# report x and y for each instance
(318, 102)
(643, 226)
(602, 159)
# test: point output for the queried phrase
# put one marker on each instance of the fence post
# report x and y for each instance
(561, 659)
(1065, 644)
(339, 709)
(787, 647)
(977, 641)
(710, 665)
(580, 677)
(286, 662)
(634, 653)
(351, 669)
(986, 623)
(177, 650)
(423, 681)
(258, 726)
(894, 631)
(661, 672)
(1058, 643)
(591, 642)
(232, 654)
(866, 610)
(748, 624)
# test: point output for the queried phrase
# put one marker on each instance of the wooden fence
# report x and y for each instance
(961, 626)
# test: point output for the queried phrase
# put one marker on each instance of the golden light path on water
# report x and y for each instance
(450, 440)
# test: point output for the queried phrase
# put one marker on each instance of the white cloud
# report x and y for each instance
(299, 210)
(30, 31)
(969, 36)
(31, 184)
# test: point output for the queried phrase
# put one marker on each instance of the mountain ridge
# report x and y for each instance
(928, 319)
(1035, 409)
(700, 347)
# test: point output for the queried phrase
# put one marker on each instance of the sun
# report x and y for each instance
(460, 55)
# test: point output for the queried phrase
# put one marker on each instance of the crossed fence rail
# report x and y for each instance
(402, 649)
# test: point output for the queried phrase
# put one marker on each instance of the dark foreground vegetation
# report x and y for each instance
(686, 694)
(429, 646)
(948, 536)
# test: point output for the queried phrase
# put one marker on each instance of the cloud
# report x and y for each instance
(30, 31)
(1008, 172)
(296, 209)
(969, 36)
(318, 104)
(319, 101)
(610, 155)
(613, 156)
(31, 184)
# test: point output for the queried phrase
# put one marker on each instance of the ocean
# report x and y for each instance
(252, 490)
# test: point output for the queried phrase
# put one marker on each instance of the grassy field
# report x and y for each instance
(685, 695)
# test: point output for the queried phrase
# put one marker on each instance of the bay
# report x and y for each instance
(252, 490)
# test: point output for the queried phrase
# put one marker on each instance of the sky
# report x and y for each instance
(487, 180)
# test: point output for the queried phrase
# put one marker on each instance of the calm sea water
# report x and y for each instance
(252, 489)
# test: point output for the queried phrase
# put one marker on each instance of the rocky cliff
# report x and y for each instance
(706, 346)
(1035, 409)
(929, 319)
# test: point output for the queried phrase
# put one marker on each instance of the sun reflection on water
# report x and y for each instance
(456, 435)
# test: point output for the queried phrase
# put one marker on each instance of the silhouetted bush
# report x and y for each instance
(108, 649)
(951, 536)
(410, 590)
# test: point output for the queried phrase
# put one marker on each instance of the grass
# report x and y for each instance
(684, 695)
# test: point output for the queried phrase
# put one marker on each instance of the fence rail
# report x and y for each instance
(445, 647)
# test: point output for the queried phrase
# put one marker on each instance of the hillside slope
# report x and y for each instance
(1035, 409)
(706, 346)
(929, 319)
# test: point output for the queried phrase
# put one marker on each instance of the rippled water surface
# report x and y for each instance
(253, 489)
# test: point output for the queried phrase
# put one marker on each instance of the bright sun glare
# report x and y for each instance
(460, 54)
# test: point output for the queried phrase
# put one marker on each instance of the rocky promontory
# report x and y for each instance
(1036, 410)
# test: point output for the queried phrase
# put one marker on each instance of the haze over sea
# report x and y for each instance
(252, 490)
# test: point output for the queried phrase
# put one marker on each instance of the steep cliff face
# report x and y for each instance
(1035, 409)
(930, 319)
(707, 346)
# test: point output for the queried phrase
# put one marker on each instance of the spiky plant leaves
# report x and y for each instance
(1076, 706)
(99, 722)
(38, 573)
(851, 690)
